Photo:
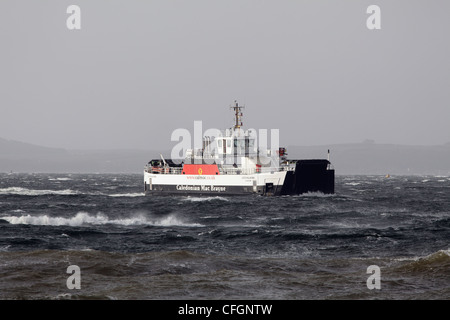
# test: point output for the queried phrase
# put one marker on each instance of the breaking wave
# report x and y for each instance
(436, 262)
(314, 194)
(202, 199)
(132, 195)
(35, 192)
(84, 218)
(38, 192)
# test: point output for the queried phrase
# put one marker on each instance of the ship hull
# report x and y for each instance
(214, 184)
(308, 176)
(193, 191)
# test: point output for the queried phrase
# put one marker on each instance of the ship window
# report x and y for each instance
(248, 145)
(239, 145)
(220, 143)
(228, 143)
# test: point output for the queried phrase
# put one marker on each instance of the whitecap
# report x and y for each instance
(132, 195)
(35, 192)
(202, 199)
(172, 220)
(79, 219)
(84, 218)
(314, 194)
(5, 248)
(353, 183)
(442, 252)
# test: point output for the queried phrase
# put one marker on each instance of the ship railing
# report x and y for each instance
(235, 171)
(230, 171)
(163, 170)
(276, 169)
(175, 170)
(287, 168)
(255, 170)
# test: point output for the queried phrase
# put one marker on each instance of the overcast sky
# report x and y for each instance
(137, 70)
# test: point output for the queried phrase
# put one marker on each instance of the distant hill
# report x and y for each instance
(372, 158)
(357, 158)
(24, 157)
(13, 149)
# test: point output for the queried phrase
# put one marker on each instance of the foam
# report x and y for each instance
(84, 218)
(35, 192)
(353, 183)
(132, 195)
(315, 194)
(203, 199)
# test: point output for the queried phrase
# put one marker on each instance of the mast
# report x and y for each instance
(237, 115)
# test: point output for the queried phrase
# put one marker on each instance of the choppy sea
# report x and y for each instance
(313, 246)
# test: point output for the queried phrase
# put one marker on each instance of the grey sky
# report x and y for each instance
(137, 70)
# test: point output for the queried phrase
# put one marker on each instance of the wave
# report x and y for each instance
(315, 194)
(5, 248)
(84, 218)
(202, 199)
(42, 192)
(441, 255)
(35, 192)
(437, 262)
(132, 195)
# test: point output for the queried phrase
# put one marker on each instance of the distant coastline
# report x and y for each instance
(381, 159)
(355, 158)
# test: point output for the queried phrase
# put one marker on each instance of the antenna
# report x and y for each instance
(237, 115)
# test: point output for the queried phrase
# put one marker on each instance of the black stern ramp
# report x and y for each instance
(311, 175)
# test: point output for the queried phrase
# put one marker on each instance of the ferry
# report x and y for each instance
(233, 164)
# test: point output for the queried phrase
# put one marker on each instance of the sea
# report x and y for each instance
(98, 236)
